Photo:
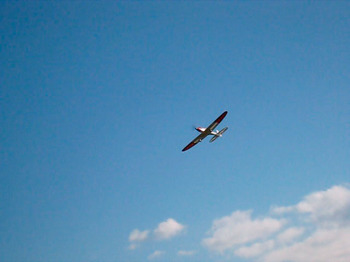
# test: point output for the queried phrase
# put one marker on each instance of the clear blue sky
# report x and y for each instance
(99, 98)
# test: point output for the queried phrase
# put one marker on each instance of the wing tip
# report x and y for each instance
(221, 117)
(188, 146)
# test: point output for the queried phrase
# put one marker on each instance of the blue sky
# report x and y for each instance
(98, 99)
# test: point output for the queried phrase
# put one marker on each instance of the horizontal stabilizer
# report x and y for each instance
(223, 130)
(213, 139)
(218, 135)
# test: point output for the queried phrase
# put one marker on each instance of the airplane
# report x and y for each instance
(204, 132)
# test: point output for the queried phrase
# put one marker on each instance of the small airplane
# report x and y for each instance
(208, 131)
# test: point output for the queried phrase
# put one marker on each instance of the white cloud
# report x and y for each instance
(282, 210)
(165, 230)
(327, 216)
(315, 229)
(138, 236)
(156, 254)
(330, 207)
(168, 229)
(322, 246)
(290, 234)
(186, 252)
(239, 228)
(255, 249)
(324, 235)
(327, 208)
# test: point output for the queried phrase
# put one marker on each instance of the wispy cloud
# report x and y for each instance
(168, 229)
(137, 236)
(317, 228)
(255, 249)
(156, 254)
(186, 252)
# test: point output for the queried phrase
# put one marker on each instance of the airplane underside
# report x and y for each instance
(215, 133)
(210, 130)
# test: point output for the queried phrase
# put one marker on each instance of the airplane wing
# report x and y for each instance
(212, 126)
(196, 140)
(206, 132)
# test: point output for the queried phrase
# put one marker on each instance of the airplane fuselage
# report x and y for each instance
(210, 130)
(214, 132)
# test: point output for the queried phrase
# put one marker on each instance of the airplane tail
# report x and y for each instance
(223, 130)
(218, 135)
(213, 139)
